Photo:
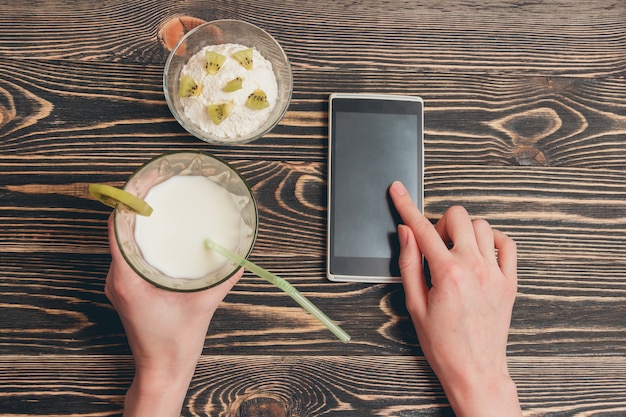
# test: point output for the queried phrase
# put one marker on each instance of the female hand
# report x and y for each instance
(166, 332)
(462, 320)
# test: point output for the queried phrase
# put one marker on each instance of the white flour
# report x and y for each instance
(242, 120)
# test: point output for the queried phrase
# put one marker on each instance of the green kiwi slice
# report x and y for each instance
(188, 87)
(233, 85)
(257, 100)
(244, 57)
(214, 62)
(116, 197)
(219, 112)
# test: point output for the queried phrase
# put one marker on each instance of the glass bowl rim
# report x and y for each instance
(236, 267)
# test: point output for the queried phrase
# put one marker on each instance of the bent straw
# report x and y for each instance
(283, 285)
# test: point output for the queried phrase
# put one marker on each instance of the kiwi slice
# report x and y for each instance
(115, 197)
(219, 112)
(244, 57)
(188, 87)
(257, 100)
(214, 62)
(233, 85)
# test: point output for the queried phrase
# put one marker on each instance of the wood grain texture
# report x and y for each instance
(305, 386)
(525, 126)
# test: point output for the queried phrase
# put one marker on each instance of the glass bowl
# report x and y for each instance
(191, 112)
(159, 170)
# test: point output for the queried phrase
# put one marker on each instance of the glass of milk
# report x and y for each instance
(194, 195)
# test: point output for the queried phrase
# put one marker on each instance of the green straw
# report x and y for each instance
(283, 285)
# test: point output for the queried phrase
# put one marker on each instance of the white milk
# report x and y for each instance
(187, 210)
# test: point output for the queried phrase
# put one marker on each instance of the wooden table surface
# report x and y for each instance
(525, 126)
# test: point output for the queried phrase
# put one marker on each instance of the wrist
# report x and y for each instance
(158, 392)
(484, 397)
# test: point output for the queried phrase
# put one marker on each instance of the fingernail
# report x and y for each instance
(398, 188)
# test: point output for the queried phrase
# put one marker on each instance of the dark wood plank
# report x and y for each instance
(305, 386)
(489, 119)
(559, 37)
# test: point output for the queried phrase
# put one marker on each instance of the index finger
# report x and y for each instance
(428, 239)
